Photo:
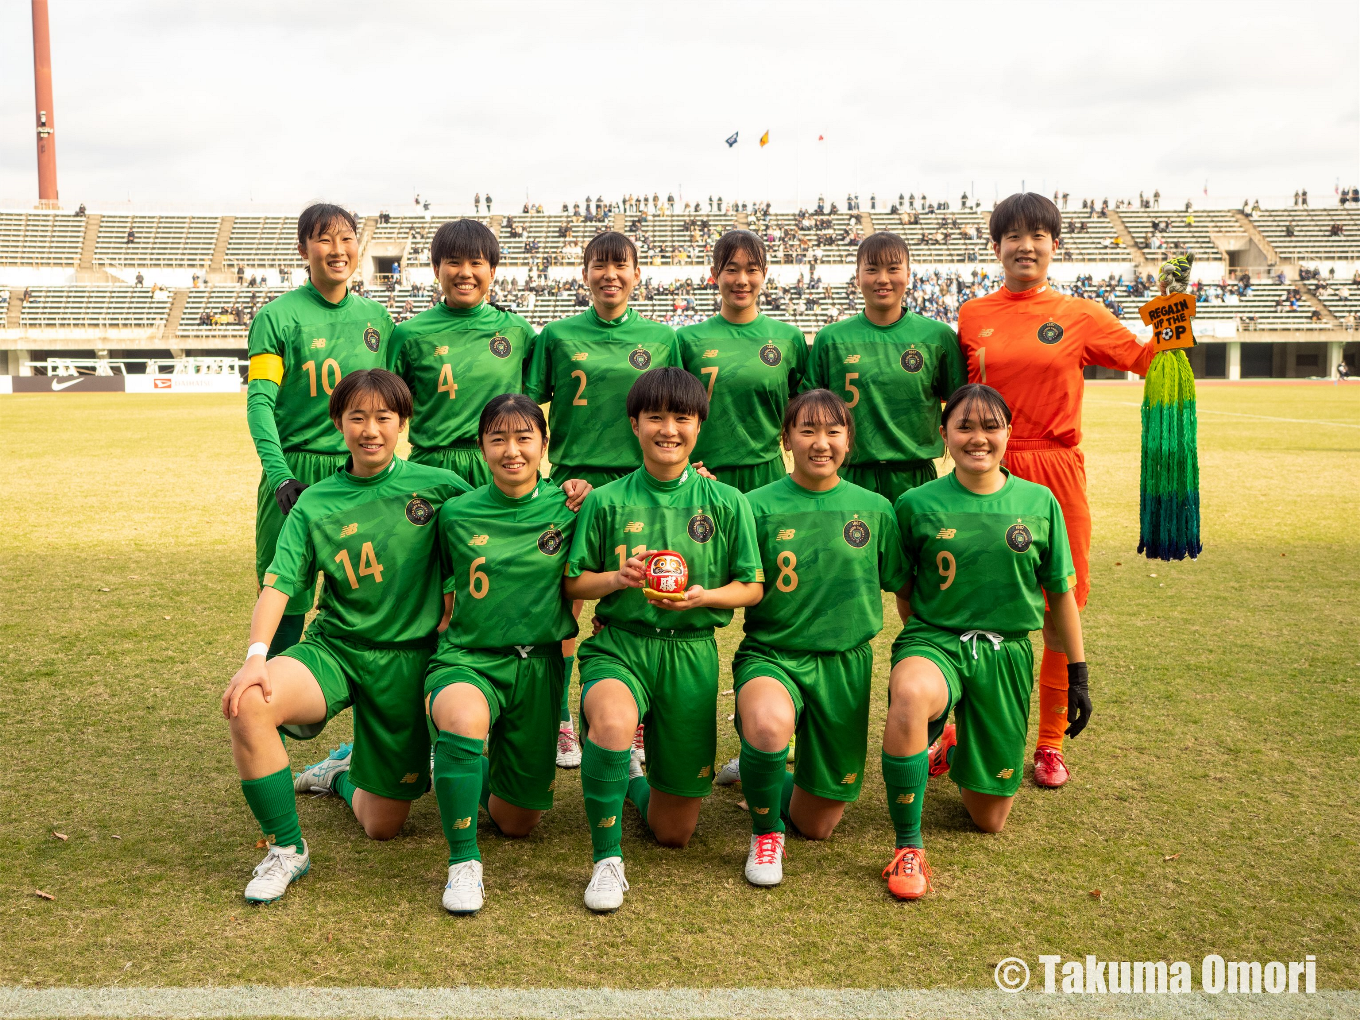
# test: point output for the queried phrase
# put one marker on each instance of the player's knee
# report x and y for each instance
(767, 729)
(383, 829)
(253, 715)
(912, 696)
(517, 828)
(990, 823)
(613, 721)
(818, 828)
(673, 834)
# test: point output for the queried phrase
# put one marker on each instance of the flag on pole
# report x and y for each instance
(765, 139)
(732, 139)
(821, 138)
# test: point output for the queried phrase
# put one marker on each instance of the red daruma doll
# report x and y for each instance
(664, 575)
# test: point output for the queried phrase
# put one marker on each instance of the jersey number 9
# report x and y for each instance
(945, 561)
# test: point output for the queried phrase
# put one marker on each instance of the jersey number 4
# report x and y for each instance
(446, 383)
(368, 565)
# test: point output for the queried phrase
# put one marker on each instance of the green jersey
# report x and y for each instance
(504, 559)
(895, 378)
(706, 522)
(455, 360)
(584, 367)
(300, 347)
(826, 556)
(374, 540)
(984, 562)
(750, 370)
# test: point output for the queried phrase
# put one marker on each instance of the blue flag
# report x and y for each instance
(732, 139)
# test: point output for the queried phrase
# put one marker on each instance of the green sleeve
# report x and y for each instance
(892, 562)
(396, 354)
(952, 371)
(260, 398)
(677, 352)
(446, 514)
(743, 555)
(585, 545)
(294, 564)
(530, 347)
(798, 375)
(815, 377)
(902, 511)
(1056, 572)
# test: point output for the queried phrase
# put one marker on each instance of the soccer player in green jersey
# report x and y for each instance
(751, 365)
(827, 548)
(301, 344)
(984, 548)
(894, 368)
(369, 528)
(583, 368)
(655, 659)
(498, 670)
(462, 352)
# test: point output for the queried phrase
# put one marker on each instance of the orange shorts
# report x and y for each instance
(1063, 470)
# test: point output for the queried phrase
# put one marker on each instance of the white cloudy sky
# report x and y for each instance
(183, 104)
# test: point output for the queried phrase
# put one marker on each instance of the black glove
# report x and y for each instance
(1078, 699)
(286, 495)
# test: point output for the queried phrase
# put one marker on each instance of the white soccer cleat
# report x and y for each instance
(765, 862)
(607, 886)
(636, 765)
(729, 774)
(464, 893)
(639, 747)
(321, 777)
(274, 874)
(568, 748)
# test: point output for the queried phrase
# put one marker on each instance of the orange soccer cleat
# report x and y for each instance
(1049, 768)
(908, 875)
(939, 751)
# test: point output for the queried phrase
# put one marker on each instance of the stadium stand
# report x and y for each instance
(178, 242)
(40, 238)
(1163, 232)
(263, 242)
(81, 306)
(223, 312)
(1312, 233)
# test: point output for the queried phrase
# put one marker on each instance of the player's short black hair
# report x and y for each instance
(388, 389)
(513, 409)
(974, 397)
(735, 242)
(882, 246)
(464, 239)
(1025, 210)
(610, 246)
(321, 216)
(818, 407)
(668, 389)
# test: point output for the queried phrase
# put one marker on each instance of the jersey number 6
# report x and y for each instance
(478, 583)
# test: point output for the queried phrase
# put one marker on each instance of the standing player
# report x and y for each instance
(300, 346)
(498, 671)
(894, 368)
(369, 529)
(827, 547)
(984, 547)
(1032, 343)
(583, 368)
(462, 352)
(655, 659)
(751, 365)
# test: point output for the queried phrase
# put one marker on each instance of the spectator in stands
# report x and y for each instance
(1303, 196)
(488, 203)
(1296, 196)
(28, 294)
(240, 276)
(81, 210)
(477, 202)
(139, 281)
(131, 235)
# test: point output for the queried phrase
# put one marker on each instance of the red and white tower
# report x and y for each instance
(42, 91)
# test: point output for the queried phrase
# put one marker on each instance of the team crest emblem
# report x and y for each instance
(372, 339)
(1050, 333)
(856, 534)
(1019, 538)
(419, 511)
(550, 542)
(641, 359)
(500, 346)
(912, 360)
(701, 528)
(771, 355)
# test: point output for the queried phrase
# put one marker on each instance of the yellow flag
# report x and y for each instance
(765, 139)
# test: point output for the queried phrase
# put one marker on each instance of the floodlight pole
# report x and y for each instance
(42, 92)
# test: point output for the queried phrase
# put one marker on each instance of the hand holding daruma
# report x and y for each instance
(665, 575)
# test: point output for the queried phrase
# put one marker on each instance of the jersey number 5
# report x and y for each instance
(368, 565)
(850, 387)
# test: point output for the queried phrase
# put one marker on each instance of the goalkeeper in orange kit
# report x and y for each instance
(1032, 343)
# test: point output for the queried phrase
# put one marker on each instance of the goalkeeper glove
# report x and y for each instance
(1078, 699)
(286, 495)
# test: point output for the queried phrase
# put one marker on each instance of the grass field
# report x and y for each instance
(1212, 803)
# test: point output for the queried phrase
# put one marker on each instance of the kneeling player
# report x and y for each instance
(983, 546)
(369, 529)
(498, 670)
(655, 660)
(827, 547)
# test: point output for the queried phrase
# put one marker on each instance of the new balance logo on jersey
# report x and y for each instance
(985, 332)
(632, 527)
(710, 354)
(850, 777)
(462, 823)
(852, 359)
(1005, 773)
(439, 352)
(349, 529)
(410, 777)
(784, 534)
(947, 533)
(606, 823)
(478, 540)
(579, 356)
(906, 798)
(706, 771)
(318, 342)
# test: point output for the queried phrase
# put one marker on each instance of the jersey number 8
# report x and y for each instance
(787, 580)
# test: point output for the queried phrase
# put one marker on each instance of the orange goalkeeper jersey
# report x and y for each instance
(1032, 347)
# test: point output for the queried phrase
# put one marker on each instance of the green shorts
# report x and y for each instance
(391, 740)
(748, 477)
(989, 689)
(307, 468)
(890, 478)
(673, 676)
(595, 476)
(524, 693)
(830, 692)
(462, 458)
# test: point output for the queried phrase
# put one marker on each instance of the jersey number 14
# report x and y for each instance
(368, 565)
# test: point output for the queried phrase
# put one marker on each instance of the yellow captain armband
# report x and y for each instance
(268, 367)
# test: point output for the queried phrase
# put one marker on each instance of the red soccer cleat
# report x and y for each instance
(939, 751)
(1049, 768)
(639, 747)
(908, 875)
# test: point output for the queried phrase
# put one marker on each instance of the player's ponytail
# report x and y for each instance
(514, 410)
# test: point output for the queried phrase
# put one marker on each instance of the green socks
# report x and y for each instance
(640, 793)
(905, 778)
(344, 789)
(762, 780)
(458, 786)
(274, 805)
(485, 798)
(288, 634)
(566, 689)
(604, 783)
